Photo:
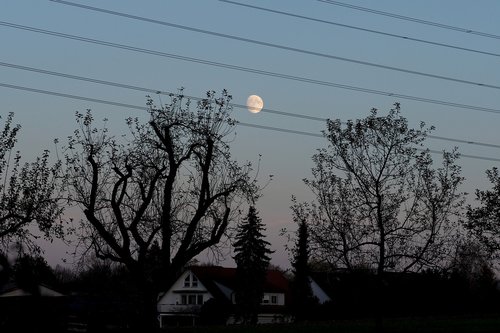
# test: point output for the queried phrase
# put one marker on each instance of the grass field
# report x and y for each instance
(483, 324)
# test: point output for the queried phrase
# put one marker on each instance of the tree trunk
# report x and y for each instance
(146, 307)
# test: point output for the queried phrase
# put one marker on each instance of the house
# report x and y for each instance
(210, 289)
(34, 308)
(11, 289)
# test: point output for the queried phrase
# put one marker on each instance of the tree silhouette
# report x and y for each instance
(28, 193)
(380, 204)
(252, 260)
(484, 221)
(301, 286)
(163, 194)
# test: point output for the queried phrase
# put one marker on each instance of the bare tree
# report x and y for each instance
(28, 194)
(162, 195)
(380, 204)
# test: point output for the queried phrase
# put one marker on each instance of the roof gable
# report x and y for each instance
(220, 281)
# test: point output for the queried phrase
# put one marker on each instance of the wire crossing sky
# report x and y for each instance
(156, 91)
(267, 44)
(246, 69)
(320, 21)
(411, 19)
(281, 113)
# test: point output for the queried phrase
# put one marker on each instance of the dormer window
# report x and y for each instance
(190, 281)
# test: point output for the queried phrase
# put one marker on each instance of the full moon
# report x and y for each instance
(254, 103)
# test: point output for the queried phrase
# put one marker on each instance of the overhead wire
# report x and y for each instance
(411, 19)
(144, 108)
(156, 91)
(282, 47)
(342, 25)
(285, 130)
(271, 111)
(250, 70)
(71, 96)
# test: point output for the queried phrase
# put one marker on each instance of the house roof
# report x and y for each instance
(11, 289)
(275, 280)
(210, 276)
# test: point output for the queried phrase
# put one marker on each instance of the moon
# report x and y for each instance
(254, 103)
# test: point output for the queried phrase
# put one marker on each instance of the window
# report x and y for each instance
(265, 299)
(274, 300)
(192, 299)
(190, 281)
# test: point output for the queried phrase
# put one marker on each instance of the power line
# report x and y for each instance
(81, 78)
(251, 70)
(491, 145)
(143, 89)
(82, 98)
(282, 47)
(411, 19)
(143, 108)
(387, 34)
(284, 130)
(156, 91)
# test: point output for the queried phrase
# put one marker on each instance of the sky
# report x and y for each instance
(295, 54)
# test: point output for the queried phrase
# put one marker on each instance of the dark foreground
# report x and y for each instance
(462, 324)
(420, 325)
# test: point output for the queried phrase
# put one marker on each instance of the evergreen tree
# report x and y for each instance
(252, 260)
(302, 293)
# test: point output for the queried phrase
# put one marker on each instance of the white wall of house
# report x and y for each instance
(186, 293)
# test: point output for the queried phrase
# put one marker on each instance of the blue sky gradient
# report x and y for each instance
(286, 156)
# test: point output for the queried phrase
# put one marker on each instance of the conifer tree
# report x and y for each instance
(302, 293)
(252, 260)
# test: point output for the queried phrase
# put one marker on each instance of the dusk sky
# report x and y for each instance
(295, 54)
